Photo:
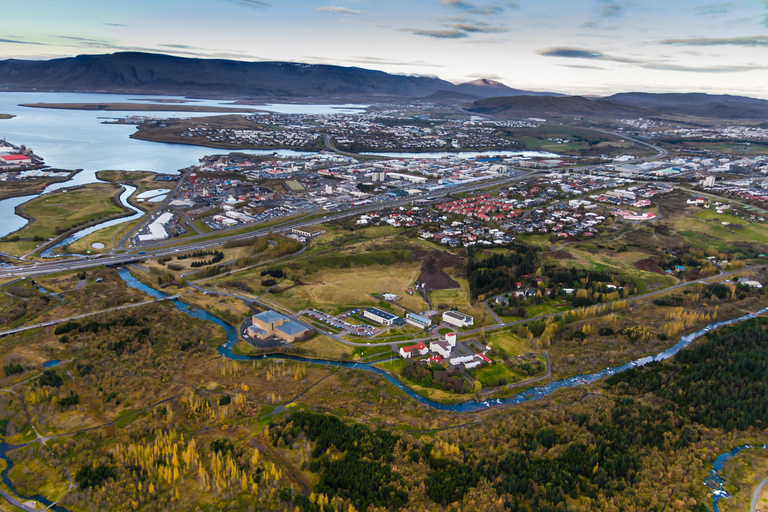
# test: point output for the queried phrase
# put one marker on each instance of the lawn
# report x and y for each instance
(110, 237)
(509, 342)
(489, 375)
(718, 235)
(368, 352)
(58, 212)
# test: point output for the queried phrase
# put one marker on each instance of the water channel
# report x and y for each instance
(715, 481)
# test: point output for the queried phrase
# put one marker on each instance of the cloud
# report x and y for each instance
(604, 10)
(446, 33)
(16, 41)
(748, 41)
(253, 4)
(485, 9)
(581, 53)
(476, 28)
(180, 46)
(457, 30)
(115, 24)
(337, 10)
(715, 9)
(390, 62)
(577, 66)
(570, 53)
(488, 76)
(704, 69)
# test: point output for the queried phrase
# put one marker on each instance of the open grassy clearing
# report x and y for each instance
(319, 347)
(109, 236)
(591, 257)
(335, 291)
(459, 298)
(58, 212)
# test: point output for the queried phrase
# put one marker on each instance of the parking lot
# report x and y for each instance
(364, 331)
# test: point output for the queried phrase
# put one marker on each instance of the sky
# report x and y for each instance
(597, 47)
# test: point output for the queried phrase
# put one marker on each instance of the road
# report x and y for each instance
(158, 208)
(756, 495)
(63, 320)
(133, 254)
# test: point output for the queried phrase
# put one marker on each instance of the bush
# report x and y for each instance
(51, 378)
(89, 476)
(12, 369)
(605, 331)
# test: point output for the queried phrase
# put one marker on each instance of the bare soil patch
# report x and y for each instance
(433, 277)
(649, 265)
(559, 255)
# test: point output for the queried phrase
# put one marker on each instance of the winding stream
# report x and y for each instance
(469, 406)
(124, 195)
(716, 481)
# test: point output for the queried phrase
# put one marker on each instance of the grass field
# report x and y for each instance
(334, 291)
(110, 237)
(61, 211)
(459, 298)
(509, 342)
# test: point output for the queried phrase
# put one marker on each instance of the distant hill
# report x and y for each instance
(627, 105)
(145, 73)
(552, 106)
(485, 88)
(720, 106)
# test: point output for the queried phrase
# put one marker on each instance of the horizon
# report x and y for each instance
(597, 47)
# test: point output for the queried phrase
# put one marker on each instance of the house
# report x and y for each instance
(451, 338)
(442, 348)
(271, 323)
(379, 316)
(418, 349)
(458, 319)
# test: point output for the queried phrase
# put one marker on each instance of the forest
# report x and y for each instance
(719, 383)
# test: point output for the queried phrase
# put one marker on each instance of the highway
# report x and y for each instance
(137, 253)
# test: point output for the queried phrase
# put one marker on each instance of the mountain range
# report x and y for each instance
(148, 73)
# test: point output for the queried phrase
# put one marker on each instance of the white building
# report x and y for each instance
(441, 348)
(458, 319)
(380, 316)
(157, 229)
(451, 338)
(418, 349)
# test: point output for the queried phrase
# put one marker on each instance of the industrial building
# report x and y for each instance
(157, 229)
(379, 316)
(458, 319)
(419, 321)
(270, 323)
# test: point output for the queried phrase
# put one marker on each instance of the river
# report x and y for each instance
(715, 481)
(469, 406)
(78, 139)
(124, 195)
